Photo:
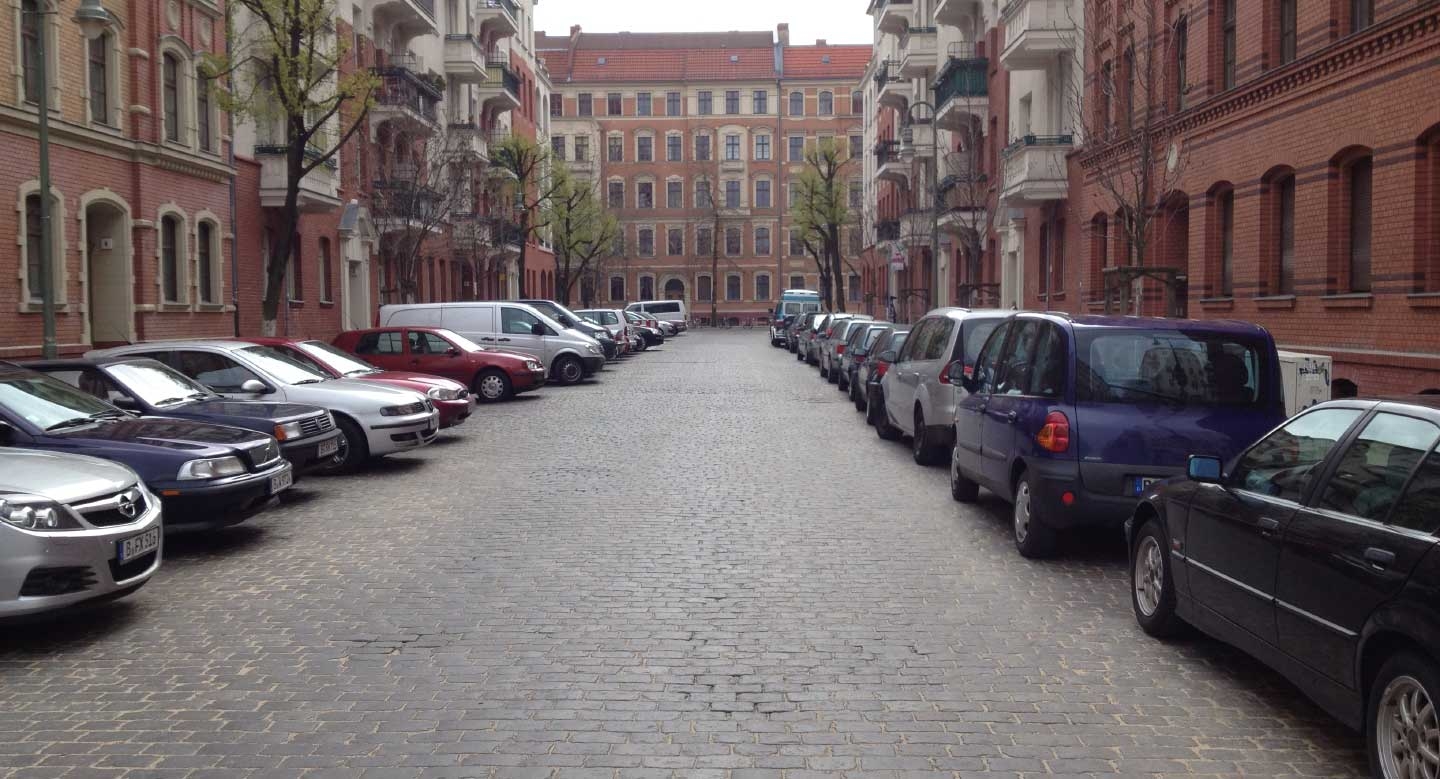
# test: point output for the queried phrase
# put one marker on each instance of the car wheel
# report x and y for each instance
(492, 385)
(857, 396)
(962, 489)
(569, 370)
(842, 383)
(834, 375)
(354, 448)
(921, 449)
(873, 405)
(1402, 729)
(824, 372)
(1033, 538)
(884, 429)
(1152, 591)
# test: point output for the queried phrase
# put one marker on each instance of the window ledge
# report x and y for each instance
(1217, 304)
(327, 304)
(1348, 300)
(34, 307)
(1423, 299)
(1274, 302)
(172, 306)
(1095, 305)
(211, 307)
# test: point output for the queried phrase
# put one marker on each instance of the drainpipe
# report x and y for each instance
(781, 241)
(234, 228)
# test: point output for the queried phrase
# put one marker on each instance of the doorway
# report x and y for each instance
(674, 289)
(110, 301)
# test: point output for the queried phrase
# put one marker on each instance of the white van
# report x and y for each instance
(672, 311)
(514, 327)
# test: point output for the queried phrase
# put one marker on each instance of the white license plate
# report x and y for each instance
(281, 481)
(1141, 483)
(136, 546)
(328, 448)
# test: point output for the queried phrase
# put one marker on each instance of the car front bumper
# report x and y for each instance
(206, 504)
(526, 381)
(454, 412)
(593, 364)
(396, 434)
(304, 453)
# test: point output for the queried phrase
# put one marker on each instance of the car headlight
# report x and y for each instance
(593, 348)
(534, 366)
(400, 411)
(288, 431)
(33, 512)
(445, 393)
(212, 468)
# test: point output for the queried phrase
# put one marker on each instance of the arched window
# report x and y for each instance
(1220, 251)
(205, 255)
(34, 251)
(170, 258)
(31, 23)
(203, 125)
(326, 283)
(797, 103)
(1277, 259)
(827, 103)
(762, 242)
(1099, 255)
(732, 241)
(647, 287)
(98, 74)
(295, 276)
(170, 86)
(857, 103)
(1427, 202)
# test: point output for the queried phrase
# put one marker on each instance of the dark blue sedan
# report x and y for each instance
(307, 434)
(206, 475)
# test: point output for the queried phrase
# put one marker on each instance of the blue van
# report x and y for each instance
(1071, 418)
(793, 302)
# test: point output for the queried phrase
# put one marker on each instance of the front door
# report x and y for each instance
(1356, 542)
(109, 286)
(383, 349)
(1232, 540)
(429, 353)
(517, 333)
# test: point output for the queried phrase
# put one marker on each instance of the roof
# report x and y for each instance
(691, 56)
(847, 62)
(632, 41)
(1228, 326)
(668, 65)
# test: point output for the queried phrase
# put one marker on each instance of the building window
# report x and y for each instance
(762, 193)
(704, 241)
(1427, 202)
(1106, 91)
(732, 101)
(617, 288)
(1127, 120)
(827, 103)
(586, 109)
(170, 75)
(557, 147)
(797, 148)
(857, 147)
(645, 149)
(1362, 14)
(857, 103)
(642, 104)
(704, 288)
(732, 287)
(617, 148)
(327, 271)
(672, 103)
(1057, 255)
(797, 246)
(557, 106)
(732, 241)
(34, 251)
(672, 148)
(1228, 44)
(707, 103)
(762, 286)
(1046, 269)
(1287, 30)
(732, 147)
(760, 102)
(645, 195)
(762, 147)
(99, 51)
(762, 242)
(202, 113)
(852, 288)
(1279, 278)
(674, 198)
(797, 103)
(792, 193)
(205, 256)
(582, 148)
(170, 258)
(732, 194)
(702, 194)
(30, 26)
(856, 193)
(295, 277)
(647, 287)
(647, 242)
(675, 242)
(1182, 53)
(702, 148)
(1099, 255)
(616, 198)
(1223, 271)
(857, 241)
(612, 104)
(1358, 191)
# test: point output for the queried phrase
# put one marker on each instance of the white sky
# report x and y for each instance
(837, 21)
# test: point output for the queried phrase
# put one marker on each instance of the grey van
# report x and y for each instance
(515, 327)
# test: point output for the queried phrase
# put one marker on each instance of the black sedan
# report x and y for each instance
(307, 434)
(1313, 551)
(206, 475)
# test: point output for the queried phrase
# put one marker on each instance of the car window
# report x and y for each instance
(469, 319)
(939, 338)
(158, 384)
(416, 317)
(335, 359)
(43, 401)
(973, 333)
(1124, 365)
(1372, 471)
(434, 344)
(1016, 369)
(1282, 464)
(664, 308)
(387, 342)
(216, 371)
(92, 381)
(987, 365)
(871, 337)
(281, 366)
(514, 321)
(915, 344)
(1047, 378)
(1419, 507)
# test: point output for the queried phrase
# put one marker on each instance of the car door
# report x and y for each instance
(1006, 401)
(383, 349)
(1232, 539)
(928, 368)
(517, 333)
(474, 321)
(1355, 542)
(970, 410)
(901, 378)
(429, 353)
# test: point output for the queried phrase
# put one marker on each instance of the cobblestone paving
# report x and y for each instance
(702, 564)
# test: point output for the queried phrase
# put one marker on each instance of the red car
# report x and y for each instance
(450, 399)
(491, 374)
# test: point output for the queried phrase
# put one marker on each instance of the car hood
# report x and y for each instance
(242, 409)
(66, 478)
(366, 390)
(148, 435)
(413, 381)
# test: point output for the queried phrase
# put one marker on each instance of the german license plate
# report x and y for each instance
(328, 448)
(281, 480)
(1139, 484)
(137, 546)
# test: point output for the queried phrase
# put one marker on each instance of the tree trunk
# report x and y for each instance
(279, 258)
(524, 249)
(714, 271)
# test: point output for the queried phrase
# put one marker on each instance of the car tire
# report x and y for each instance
(924, 452)
(354, 448)
(834, 375)
(857, 396)
(962, 489)
(1394, 740)
(873, 405)
(568, 370)
(492, 385)
(1033, 538)
(842, 382)
(1152, 589)
(884, 429)
(823, 371)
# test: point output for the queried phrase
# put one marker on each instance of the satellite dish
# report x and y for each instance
(1172, 157)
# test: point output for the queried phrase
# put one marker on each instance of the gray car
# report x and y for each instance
(72, 529)
(833, 343)
(857, 344)
(823, 329)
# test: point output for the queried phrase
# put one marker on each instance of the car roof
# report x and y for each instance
(228, 344)
(65, 363)
(1225, 326)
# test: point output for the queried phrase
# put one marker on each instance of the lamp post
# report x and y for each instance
(93, 20)
(907, 152)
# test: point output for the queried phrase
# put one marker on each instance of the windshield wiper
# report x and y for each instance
(168, 401)
(361, 372)
(308, 381)
(68, 423)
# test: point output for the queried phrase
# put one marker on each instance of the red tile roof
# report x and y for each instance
(846, 62)
(690, 56)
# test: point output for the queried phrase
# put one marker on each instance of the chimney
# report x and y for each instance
(782, 33)
(819, 41)
(574, 35)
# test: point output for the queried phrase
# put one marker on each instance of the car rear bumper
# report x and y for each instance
(197, 505)
(1053, 479)
(304, 453)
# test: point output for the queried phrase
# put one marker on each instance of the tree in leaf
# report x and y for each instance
(582, 231)
(529, 185)
(822, 210)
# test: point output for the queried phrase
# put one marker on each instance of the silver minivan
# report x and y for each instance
(516, 327)
(919, 398)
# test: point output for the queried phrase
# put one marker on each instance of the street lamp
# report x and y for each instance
(907, 153)
(93, 20)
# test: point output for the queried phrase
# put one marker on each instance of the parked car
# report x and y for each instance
(451, 398)
(651, 335)
(808, 337)
(832, 345)
(206, 475)
(672, 311)
(569, 355)
(872, 371)
(667, 329)
(919, 396)
(1073, 418)
(794, 332)
(613, 320)
(574, 321)
(307, 434)
(73, 530)
(1314, 551)
(793, 303)
(857, 344)
(374, 419)
(778, 328)
(492, 375)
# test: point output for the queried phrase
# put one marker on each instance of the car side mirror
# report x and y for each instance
(537, 329)
(453, 352)
(887, 356)
(1204, 469)
(125, 403)
(254, 387)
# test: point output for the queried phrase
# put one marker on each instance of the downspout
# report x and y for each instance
(781, 237)
(234, 228)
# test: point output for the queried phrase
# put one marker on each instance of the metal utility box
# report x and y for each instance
(1306, 380)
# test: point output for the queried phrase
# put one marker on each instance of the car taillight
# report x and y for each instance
(880, 368)
(839, 349)
(945, 372)
(1054, 435)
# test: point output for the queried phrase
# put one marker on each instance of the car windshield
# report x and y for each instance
(798, 307)
(282, 367)
(897, 341)
(50, 404)
(156, 383)
(334, 359)
(1170, 366)
(460, 341)
(871, 336)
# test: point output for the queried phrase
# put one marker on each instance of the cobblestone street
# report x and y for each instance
(702, 563)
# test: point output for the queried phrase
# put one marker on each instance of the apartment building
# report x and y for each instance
(694, 141)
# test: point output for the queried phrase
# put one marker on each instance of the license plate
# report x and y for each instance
(1141, 483)
(328, 448)
(137, 546)
(281, 481)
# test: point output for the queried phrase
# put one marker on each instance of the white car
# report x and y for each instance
(672, 311)
(374, 419)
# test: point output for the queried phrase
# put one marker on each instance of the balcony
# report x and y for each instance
(467, 139)
(400, 205)
(470, 235)
(1036, 33)
(1035, 170)
(406, 97)
(891, 88)
(887, 230)
(319, 189)
(917, 52)
(586, 165)
(505, 235)
(501, 90)
(962, 89)
(894, 16)
(962, 220)
(409, 17)
(955, 12)
(498, 15)
(889, 166)
(464, 59)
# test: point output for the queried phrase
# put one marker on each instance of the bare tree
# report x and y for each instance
(582, 230)
(712, 198)
(822, 211)
(968, 198)
(527, 165)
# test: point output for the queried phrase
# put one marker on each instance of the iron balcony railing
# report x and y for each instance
(887, 152)
(887, 230)
(505, 232)
(887, 72)
(508, 5)
(280, 150)
(402, 87)
(1039, 140)
(964, 74)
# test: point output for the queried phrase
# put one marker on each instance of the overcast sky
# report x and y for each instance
(837, 21)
